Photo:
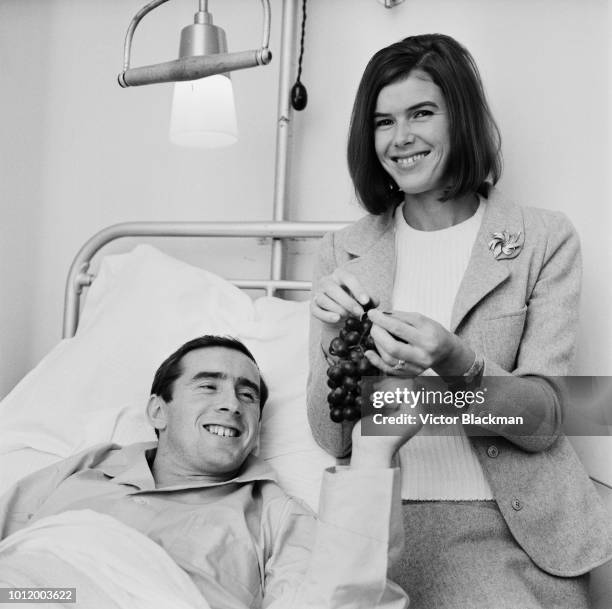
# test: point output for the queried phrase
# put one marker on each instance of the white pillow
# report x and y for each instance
(141, 307)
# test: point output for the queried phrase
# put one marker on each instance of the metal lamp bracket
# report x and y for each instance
(190, 68)
(390, 3)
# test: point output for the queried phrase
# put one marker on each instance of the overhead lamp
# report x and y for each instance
(203, 111)
(390, 3)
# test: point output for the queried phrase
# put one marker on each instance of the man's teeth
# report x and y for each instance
(219, 430)
(411, 160)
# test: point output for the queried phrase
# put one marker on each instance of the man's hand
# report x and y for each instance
(374, 452)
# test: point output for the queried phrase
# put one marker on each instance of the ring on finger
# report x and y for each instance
(400, 365)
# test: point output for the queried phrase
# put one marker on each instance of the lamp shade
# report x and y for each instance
(204, 113)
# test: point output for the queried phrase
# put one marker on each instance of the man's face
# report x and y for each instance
(211, 424)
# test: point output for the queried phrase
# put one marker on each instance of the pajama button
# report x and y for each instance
(492, 451)
(517, 504)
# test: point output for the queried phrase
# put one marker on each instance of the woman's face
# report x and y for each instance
(411, 133)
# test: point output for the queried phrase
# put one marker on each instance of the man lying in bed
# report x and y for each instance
(201, 494)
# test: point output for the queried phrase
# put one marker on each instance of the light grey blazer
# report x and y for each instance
(520, 312)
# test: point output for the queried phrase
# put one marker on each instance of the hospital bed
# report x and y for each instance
(141, 305)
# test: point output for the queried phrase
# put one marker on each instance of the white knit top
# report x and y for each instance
(429, 268)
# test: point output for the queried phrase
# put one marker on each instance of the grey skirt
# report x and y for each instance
(461, 555)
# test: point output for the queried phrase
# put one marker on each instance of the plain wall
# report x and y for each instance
(79, 153)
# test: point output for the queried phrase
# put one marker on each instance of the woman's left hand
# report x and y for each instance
(417, 343)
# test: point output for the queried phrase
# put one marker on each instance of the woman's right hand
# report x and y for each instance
(338, 296)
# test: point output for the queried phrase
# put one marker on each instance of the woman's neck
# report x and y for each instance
(425, 212)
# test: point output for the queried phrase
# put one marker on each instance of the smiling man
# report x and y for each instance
(203, 496)
(216, 425)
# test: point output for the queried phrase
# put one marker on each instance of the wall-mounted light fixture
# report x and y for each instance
(203, 112)
(390, 3)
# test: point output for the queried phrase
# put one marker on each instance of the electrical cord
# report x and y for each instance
(299, 95)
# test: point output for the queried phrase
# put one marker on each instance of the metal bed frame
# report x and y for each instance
(79, 276)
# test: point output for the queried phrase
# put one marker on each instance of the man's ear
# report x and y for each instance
(156, 412)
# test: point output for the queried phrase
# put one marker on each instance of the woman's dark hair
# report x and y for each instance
(171, 369)
(475, 142)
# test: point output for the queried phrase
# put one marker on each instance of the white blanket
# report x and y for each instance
(110, 564)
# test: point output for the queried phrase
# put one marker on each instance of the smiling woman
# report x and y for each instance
(440, 96)
(487, 495)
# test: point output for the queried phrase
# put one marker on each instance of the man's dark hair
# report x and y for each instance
(475, 142)
(171, 368)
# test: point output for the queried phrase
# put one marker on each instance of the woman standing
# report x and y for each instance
(472, 287)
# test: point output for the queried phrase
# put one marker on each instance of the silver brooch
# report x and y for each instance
(505, 245)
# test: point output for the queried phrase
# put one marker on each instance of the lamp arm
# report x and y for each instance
(193, 68)
(127, 45)
(265, 43)
(186, 68)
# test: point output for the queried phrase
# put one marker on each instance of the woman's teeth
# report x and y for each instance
(219, 430)
(411, 160)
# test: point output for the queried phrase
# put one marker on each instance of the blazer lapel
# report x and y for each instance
(484, 271)
(373, 244)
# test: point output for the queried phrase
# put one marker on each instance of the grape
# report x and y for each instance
(336, 415)
(352, 338)
(350, 413)
(364, 368)
(349, 400)
(351, 383)
(360, 402)
(356, 355)
(348, 368)
(337, 395)
(335, 373)
(348, 365)
(353, 323)
(338, 347)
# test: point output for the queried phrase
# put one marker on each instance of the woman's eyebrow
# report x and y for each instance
(422, 104)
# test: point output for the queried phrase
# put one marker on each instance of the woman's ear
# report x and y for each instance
(156, 412)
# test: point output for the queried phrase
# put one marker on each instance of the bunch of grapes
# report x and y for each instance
(347, 367)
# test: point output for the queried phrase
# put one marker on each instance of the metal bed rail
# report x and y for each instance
(80, 277)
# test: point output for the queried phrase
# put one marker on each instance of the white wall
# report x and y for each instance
(78, 153)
